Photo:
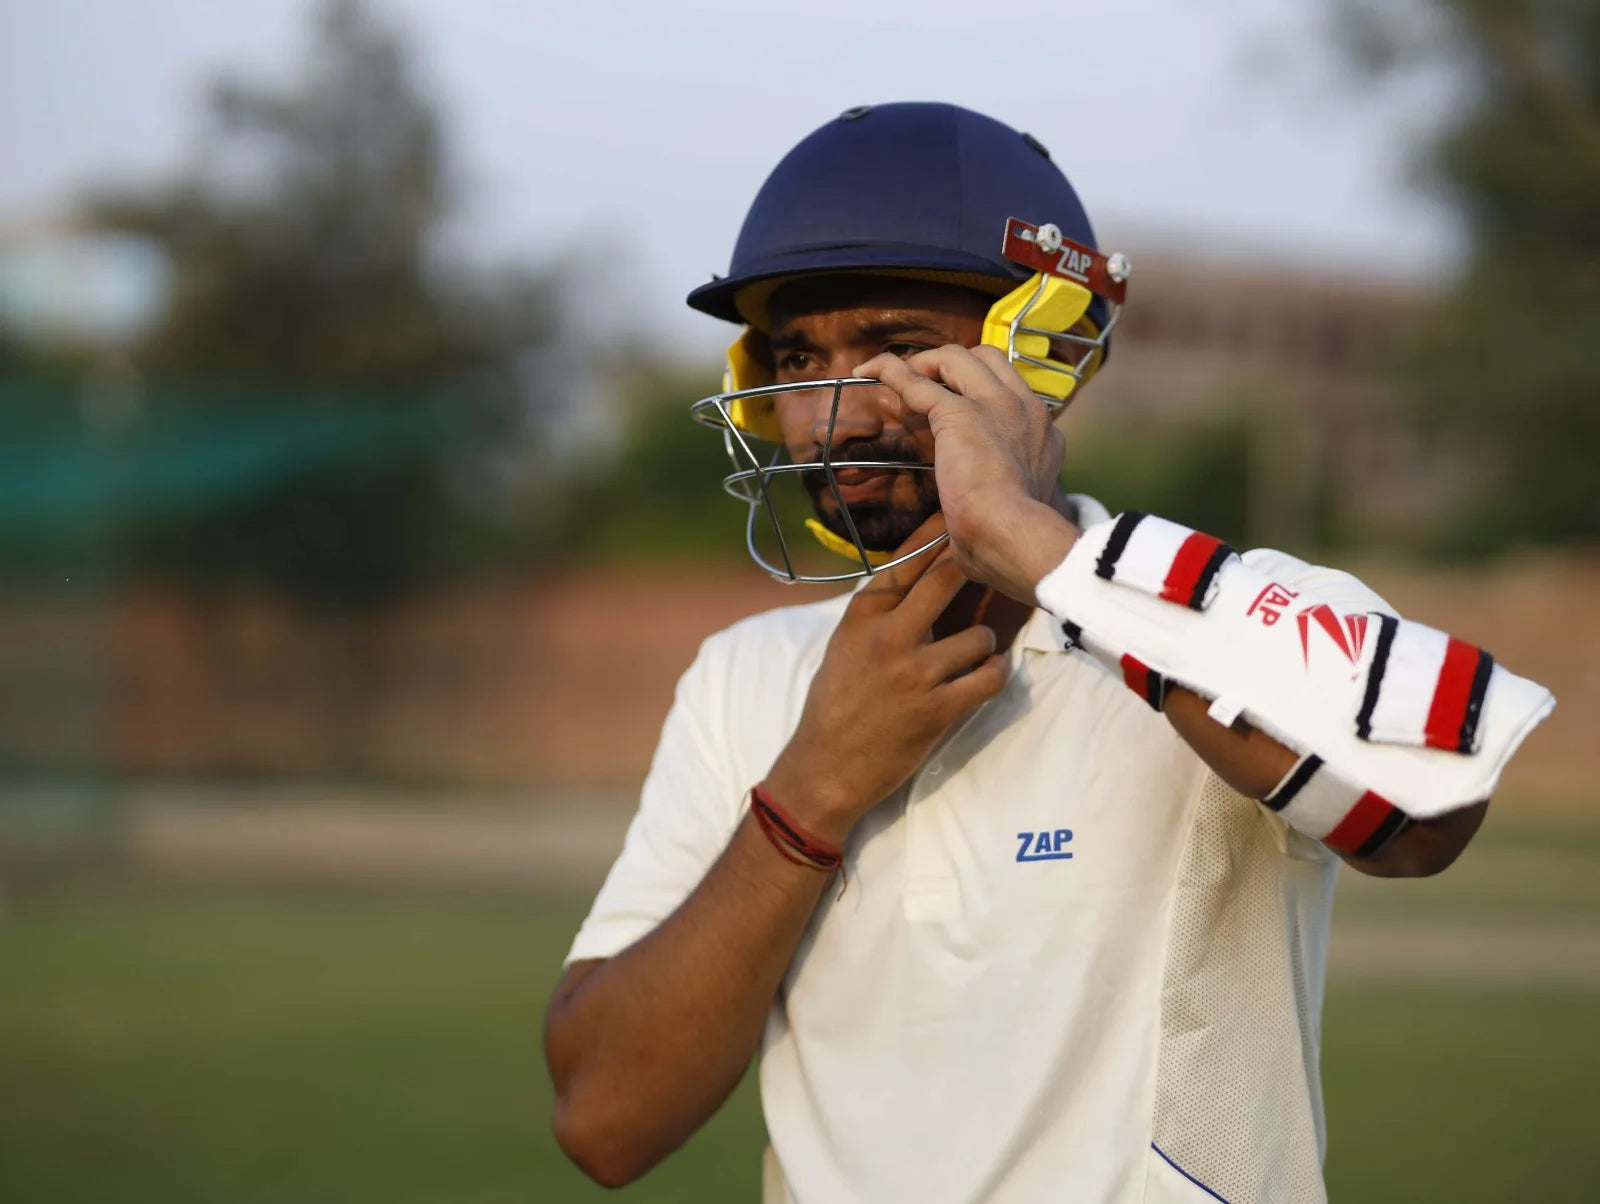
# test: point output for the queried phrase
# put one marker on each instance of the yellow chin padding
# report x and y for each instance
(1060, 306)
(747, 370)
(843, 546)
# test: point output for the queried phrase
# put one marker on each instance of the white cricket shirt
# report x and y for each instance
(1070, 964)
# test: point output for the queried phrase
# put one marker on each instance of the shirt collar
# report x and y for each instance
(1042, 632)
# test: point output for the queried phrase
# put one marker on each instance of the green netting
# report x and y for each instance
(184, 452)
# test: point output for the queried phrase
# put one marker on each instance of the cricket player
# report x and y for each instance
(1014, 865)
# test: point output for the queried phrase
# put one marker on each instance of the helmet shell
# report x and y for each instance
(914, 188)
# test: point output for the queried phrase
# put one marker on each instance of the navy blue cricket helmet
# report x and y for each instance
(900, 187)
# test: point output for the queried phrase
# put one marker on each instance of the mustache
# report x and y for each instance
(897, 451)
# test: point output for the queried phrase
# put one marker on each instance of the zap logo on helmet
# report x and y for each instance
(926, 191)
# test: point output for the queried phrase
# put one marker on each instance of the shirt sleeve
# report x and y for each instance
(688, 809)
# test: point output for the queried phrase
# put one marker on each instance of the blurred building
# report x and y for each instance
(1194, 330)
(1297, 355)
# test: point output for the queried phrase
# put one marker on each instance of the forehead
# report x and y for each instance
(802, 302)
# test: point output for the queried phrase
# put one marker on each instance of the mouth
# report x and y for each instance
(862, 484)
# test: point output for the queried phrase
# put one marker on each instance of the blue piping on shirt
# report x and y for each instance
(1185, 1173)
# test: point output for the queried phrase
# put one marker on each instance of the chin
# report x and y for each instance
(882, 528)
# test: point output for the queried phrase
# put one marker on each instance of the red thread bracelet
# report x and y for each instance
(790, 837)
(792, 827)
(774, 835)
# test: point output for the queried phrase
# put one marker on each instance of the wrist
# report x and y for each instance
(1028, 540)
(792, 839)
(825, 809)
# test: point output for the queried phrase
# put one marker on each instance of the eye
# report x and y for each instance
(795, 361)
(904, 350)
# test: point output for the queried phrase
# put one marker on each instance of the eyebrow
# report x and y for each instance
(790, 340)
(878, 332)
(872, 332)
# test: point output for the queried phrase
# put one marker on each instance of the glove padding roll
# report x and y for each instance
(1316, 801)
(1427, 726)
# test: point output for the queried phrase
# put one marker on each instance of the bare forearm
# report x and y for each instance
(1426, 847)
(1247, 759)
(645, 1046)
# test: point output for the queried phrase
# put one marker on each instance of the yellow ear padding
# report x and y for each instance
(843, 546)
(747, 369)
(1061, 305)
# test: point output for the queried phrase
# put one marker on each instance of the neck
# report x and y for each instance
(979, 604)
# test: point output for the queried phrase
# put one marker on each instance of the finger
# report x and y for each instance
(888, 587)
(999, 363)
(957, 654)
(946, 374)
(967, 373)
(920, 392)
(927, 599)
(971, 690)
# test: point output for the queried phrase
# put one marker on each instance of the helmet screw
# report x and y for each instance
(1118, 267)
(1048, 238)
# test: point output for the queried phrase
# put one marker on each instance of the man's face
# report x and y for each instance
(826, 327)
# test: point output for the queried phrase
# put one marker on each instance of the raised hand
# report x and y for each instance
(885, 693)
(997, 458)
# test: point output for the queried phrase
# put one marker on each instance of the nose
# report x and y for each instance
(865, 411)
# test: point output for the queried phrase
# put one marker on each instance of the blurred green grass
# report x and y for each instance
(347, 1047)
(200, 1045)
(1528, 866)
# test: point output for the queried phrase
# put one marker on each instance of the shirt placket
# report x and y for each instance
(933, 889)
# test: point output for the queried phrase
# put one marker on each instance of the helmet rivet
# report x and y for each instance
(855, 112)
(1118, 267)
(1048, 238)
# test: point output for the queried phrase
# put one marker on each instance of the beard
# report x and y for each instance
(883, 525)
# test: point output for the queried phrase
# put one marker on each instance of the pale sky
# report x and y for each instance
(637, 132)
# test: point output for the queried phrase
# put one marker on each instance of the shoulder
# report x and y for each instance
(784, 631)
(738, 702)
(770, 646)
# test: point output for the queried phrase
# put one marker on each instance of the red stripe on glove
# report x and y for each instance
(1451, 695)
(1193, 556)
(1356, 828)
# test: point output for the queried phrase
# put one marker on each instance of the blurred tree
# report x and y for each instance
(658, 496)
(307, 281)
(1197, 472)
(326, 376)
(1508, 370)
